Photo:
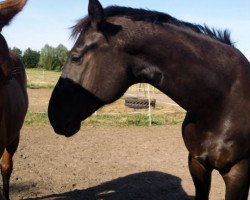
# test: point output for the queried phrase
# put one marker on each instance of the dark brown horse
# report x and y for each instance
(13, 95)
(196, 66)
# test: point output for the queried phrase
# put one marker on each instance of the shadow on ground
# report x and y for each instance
(140, 186)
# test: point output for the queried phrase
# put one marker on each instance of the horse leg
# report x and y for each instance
(7, 165)
(201, 178)
(237, 181)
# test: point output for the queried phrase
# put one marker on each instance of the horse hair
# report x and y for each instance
(8, 9)
(156, 18)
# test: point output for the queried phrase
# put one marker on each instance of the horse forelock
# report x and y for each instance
(81, 26)
(156, 18)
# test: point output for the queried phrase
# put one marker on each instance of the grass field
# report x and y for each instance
(39, 78)
(42, 82)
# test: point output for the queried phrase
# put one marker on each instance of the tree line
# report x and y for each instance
(49, 58)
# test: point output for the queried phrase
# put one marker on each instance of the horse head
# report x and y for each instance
(95, 74)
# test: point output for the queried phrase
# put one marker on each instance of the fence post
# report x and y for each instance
(149, 107)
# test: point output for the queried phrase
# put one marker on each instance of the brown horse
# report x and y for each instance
(197, 67)
(13, 95)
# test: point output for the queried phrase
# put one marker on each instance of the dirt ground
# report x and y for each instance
(103, 163)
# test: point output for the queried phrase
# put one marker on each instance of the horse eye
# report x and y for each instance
(75, 58)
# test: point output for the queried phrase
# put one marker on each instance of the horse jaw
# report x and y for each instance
(69, 105)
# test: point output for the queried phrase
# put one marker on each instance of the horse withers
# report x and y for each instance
(196, 66)
(13, 95)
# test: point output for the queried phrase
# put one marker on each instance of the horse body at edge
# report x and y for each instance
(197, 67)
(13, 95)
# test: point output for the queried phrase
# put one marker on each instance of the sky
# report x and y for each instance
(48, 21)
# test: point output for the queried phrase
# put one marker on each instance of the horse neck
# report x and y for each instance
(18, 71)
(192, 69)
(4, 59)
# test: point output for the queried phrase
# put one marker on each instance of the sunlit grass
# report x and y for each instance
(36, 119)
(120, 120)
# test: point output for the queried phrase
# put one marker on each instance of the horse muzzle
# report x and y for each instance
(69, 105)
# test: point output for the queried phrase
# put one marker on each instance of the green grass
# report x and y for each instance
(120, 120)
(36, 119)
(40, 86)
(132, 120)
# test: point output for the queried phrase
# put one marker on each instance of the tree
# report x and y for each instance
(62, 54)
(47, 58)
(31, 58)
(17, 51)
(53, 58)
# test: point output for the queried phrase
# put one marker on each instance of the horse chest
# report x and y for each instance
(218, 149)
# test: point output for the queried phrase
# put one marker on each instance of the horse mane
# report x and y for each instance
(8, 9)
(156, 18)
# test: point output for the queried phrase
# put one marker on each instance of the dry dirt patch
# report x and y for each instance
(108, 163)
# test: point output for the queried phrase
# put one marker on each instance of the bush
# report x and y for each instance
(30, 58)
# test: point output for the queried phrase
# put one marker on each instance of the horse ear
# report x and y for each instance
(96, 13)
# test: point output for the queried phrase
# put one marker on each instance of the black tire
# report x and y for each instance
(137, 103)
